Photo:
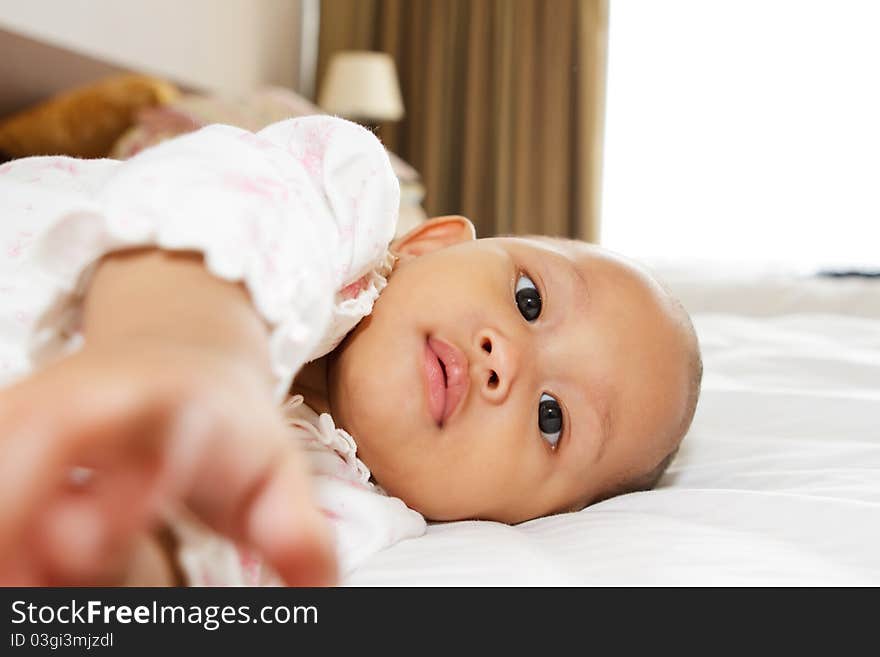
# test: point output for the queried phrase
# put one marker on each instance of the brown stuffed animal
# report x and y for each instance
(85, 121)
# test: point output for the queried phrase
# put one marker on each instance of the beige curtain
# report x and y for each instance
(504, 103)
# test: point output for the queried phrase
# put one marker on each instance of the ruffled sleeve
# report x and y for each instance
(297, 212)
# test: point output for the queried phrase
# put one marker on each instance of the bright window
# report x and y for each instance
(744, 130)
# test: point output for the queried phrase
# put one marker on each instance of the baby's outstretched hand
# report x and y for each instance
(96, 446)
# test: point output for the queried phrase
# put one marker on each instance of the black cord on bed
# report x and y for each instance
(850, 273)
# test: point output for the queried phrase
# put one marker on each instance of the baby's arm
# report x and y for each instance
(167, 298)
(170, 400)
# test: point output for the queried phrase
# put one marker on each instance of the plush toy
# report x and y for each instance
(82, 122)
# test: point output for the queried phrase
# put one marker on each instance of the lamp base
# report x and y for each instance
(367, 123)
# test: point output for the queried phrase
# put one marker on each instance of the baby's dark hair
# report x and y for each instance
(648, 480)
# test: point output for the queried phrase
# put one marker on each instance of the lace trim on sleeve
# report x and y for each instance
(324, 430)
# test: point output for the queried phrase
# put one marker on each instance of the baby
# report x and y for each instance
(434, 376)
(556, 374)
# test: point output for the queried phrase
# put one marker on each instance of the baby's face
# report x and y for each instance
(510, 378)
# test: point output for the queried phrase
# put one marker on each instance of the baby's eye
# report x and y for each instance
(528, 299)
(550, 419)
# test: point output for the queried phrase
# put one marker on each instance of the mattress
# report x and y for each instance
(777, 482)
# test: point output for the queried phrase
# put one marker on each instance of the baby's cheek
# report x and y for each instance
(470, 476)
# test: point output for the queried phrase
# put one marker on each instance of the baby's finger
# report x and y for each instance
(28, 472)
(284, 524)
(248, 482)
(73, 537)
(120, 440)
(76, 546)
(86, 534)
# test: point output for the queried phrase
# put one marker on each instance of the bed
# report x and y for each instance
(777, 483)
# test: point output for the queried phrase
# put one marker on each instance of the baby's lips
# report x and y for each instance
(435, 383)
(457, 373)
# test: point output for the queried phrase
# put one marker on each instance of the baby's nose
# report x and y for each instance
(498, 365)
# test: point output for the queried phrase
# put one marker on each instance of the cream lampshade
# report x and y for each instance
(362, 85)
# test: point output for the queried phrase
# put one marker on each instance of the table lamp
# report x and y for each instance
(362, 86)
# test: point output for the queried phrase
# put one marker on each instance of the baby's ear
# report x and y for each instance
(432, 234)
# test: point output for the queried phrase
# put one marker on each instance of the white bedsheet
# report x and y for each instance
(778, 482)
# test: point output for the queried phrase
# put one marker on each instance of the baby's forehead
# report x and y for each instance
(592, 259)
(575, 249)
(615, 277)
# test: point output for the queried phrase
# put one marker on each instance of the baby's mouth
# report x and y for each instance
(435, 375)
(446, 371)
